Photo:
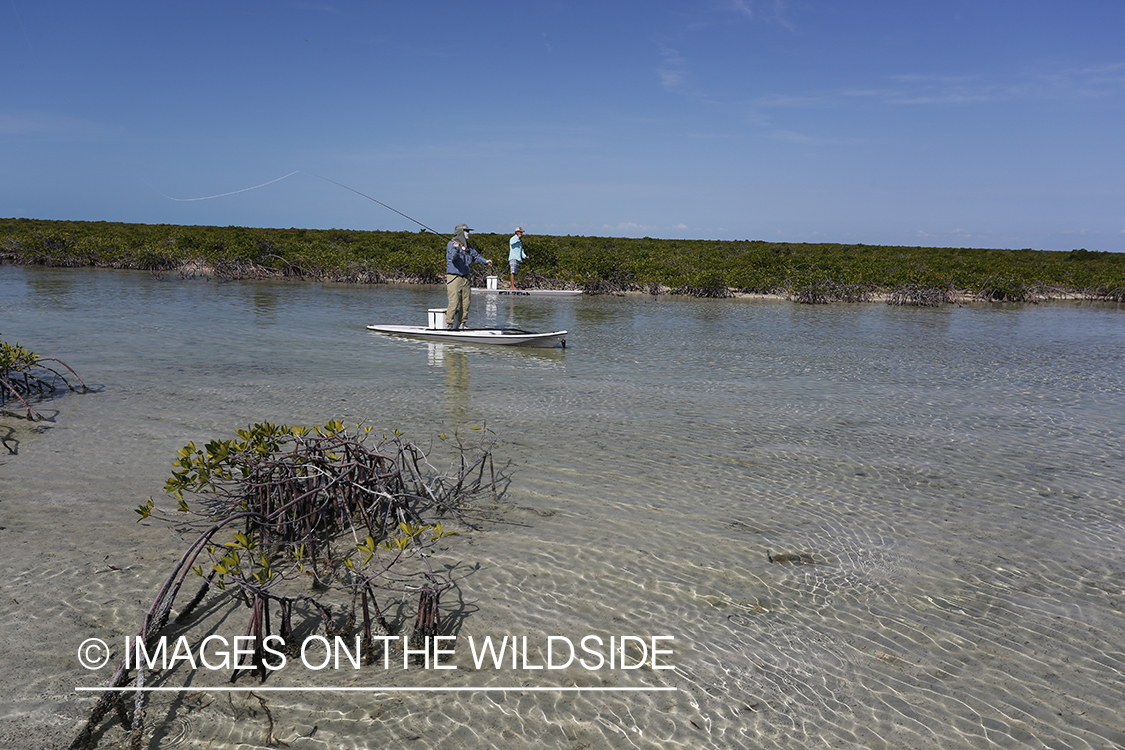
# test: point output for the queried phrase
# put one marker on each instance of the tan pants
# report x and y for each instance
(459, 293)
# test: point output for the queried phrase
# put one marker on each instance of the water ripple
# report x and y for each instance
(863, 526)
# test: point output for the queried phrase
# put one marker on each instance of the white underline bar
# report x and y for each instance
(206, 688)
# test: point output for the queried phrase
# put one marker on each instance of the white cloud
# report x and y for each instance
(742, 8)
(932, 79)
(791, 136)
(945, 97)
(673, 76)
(673, 80)
(1098, 81)
(774, 11)
(318, 7)
(53, 127)
(778, 7)
(935, 89)
(626, 228)
(629, 226)
(785, 101)
(10, 125)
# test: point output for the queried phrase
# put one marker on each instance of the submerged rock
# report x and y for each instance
(795, 558)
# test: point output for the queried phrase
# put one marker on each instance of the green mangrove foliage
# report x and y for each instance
(25, 377)
(305, 527)
(805, 272)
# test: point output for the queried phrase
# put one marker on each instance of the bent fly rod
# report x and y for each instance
(310, 174)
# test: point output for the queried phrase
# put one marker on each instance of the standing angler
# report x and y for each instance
(458, 258)
(516, 254)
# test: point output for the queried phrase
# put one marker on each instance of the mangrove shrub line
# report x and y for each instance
(805, 272)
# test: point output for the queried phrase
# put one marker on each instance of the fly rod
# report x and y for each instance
(310, 174)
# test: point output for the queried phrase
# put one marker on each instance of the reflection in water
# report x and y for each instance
(500, 312)
(456, 386)
(435, 352)
(490, 307)
(52, 286)
(266, 300)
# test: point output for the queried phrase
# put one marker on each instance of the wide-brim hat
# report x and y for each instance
(461, 228)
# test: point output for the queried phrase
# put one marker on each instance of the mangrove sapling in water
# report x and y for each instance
(24, 377)
(305, 522)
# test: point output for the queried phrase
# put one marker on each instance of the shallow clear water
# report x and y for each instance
(955, 473)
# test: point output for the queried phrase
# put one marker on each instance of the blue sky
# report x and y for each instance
(909, 122)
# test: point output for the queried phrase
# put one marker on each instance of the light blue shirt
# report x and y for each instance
(515, 246)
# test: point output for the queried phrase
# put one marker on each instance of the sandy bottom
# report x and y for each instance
(948, 483)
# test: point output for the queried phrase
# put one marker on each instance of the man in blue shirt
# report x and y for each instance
(516, 254)
(458, 258)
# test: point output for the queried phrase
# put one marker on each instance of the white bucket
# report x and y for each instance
(437, 318)
(492, 282)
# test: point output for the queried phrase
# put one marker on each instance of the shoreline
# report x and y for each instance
(920, 297)
(906, 296)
